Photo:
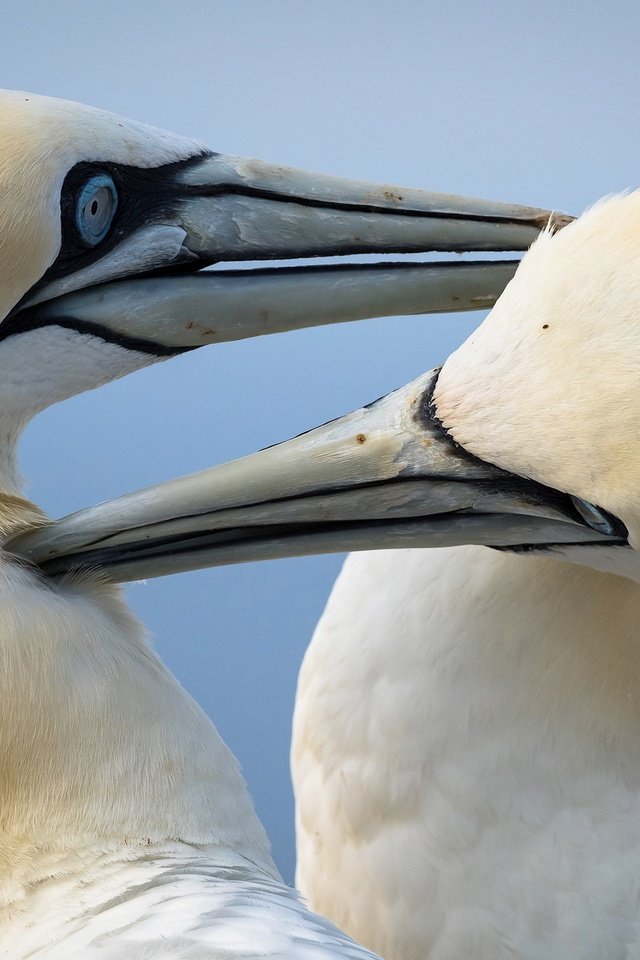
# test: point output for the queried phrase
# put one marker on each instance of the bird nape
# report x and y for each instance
(466, 767)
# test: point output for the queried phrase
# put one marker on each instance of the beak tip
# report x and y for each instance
(557, 221)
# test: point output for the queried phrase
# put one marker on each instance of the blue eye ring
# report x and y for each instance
(95, 208)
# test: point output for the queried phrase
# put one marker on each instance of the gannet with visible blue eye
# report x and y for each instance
(125, 826)
(466, 749)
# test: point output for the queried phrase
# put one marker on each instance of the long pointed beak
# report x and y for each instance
(168, 315)
(384, 476)
(247, 209)
(223, 209)
(380, 477)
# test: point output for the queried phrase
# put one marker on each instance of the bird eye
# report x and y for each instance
(594, 516)
(96, 208)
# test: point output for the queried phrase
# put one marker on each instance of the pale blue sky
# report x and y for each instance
(511, 100)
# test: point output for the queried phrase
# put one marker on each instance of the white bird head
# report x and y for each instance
(525, 440)
(547, 387)
(105, 226)
(84, 198)
(87, 198)
(64, 170)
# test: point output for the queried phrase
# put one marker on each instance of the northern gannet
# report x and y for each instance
(484, 796)
(125, 826)
(468, 739)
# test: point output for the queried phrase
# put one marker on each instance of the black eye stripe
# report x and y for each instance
(144, 196)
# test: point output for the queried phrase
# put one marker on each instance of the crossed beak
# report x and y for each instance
(384, 476)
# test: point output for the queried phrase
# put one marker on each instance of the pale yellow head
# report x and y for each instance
(41, 139)
(548, 387)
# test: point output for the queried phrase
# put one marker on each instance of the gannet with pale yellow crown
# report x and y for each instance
(125, 826)
(467, 749)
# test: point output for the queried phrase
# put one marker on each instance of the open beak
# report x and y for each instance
(384, 476)
(146, 290)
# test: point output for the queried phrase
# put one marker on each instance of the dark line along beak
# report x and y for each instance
(229, 209)
(384, 476)
(247, 209)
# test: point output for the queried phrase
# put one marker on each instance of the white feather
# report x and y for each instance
(126, 829)
(466, 741)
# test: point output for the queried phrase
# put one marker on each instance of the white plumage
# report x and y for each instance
(126, 827)
(466, 740)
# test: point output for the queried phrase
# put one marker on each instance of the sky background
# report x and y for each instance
(536, 103)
